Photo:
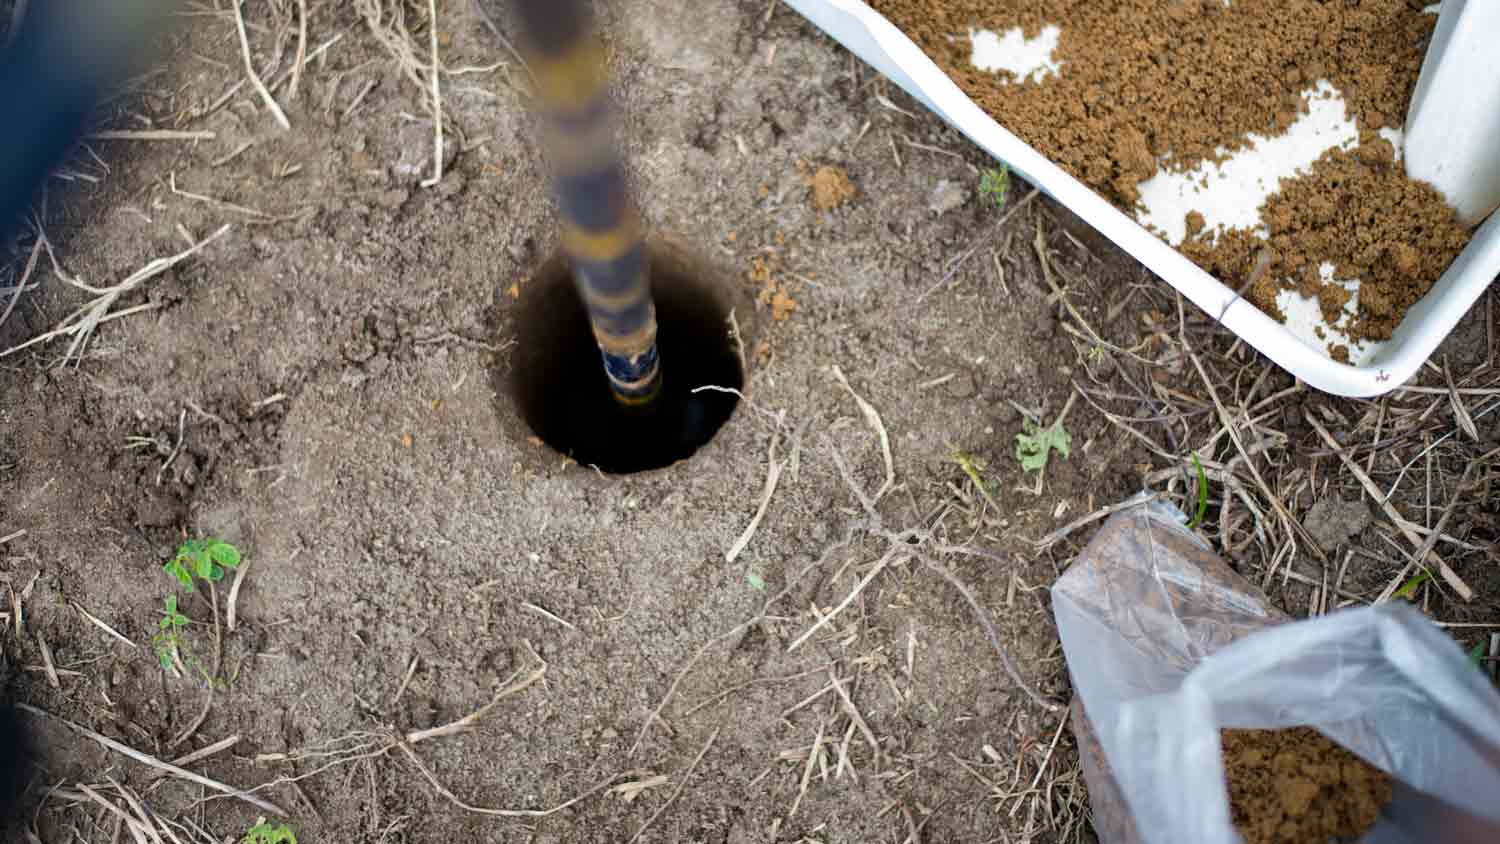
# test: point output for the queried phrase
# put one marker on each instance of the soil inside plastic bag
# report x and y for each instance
(1296, 786)
(1150, 582)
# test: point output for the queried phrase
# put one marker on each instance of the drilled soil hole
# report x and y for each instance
(560, 388)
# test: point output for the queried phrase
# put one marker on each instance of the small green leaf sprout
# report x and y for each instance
(203, 558)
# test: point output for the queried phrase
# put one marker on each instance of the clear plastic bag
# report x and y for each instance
(1166, 645)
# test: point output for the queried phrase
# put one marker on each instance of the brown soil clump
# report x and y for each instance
(830, 187)
(1298, 787)
(1359, 212)
(773, 293)
(1175, 77)
(1145, 84)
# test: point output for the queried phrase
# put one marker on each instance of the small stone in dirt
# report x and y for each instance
(383, 325)
(416, 140)
(831, 187)
(392, 199)
(1332, 521)
(946, 196)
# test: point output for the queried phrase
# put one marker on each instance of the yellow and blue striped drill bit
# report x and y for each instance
(603, 235)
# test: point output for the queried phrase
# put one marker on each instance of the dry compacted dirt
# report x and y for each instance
(323, 384)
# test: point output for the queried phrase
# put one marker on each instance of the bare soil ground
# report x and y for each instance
(318, 385)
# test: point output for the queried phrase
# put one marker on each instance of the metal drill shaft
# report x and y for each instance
(603, 236)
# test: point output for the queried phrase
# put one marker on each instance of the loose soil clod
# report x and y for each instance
(831, 187)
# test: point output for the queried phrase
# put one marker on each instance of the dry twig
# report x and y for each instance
(773, 474)
(1292, 527)
(80, 324)
(152, 761)
(681, 783)
(437, 100)
(20, 286)
(1430, 557)
(1432, 536)
(101, 625)
(468, 722)
(872, 417)
(991, 634)
(505, 813)
(255, 80)
(234, 594)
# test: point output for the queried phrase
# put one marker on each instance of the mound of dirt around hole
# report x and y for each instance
(1296, 786)
(1148, 85)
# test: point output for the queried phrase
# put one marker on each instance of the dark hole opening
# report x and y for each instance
(558, 379)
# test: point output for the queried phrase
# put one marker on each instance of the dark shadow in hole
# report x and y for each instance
(558, 381)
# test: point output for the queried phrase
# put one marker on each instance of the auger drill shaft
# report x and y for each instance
(603, 235)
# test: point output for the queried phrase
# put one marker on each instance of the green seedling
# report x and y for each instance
(995, 184)
(1476, 656)
(756, 581)
(204, 558)
(1035, 444)
(167, 637)
(264, 833)
(1202, 494)
(1408, 589)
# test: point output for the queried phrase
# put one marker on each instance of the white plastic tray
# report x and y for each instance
(879, 43)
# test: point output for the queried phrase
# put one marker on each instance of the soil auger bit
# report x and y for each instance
(603, 235)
